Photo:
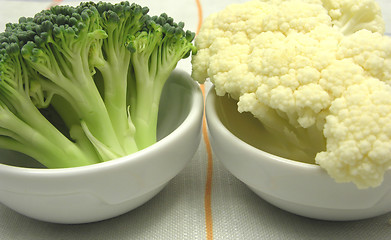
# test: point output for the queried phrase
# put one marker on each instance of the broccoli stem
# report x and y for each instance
(27, 126)
(72, 122)
(114, 71)
(154, 55)
(42, 155)
(145, 111)
(75, 82)
(32, 134)
(114, 64)
(92, 110)
(149, 78)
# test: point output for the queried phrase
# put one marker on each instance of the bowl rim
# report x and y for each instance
(196, 107)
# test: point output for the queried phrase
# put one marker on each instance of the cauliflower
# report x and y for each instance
(316, 73)
(358, 133)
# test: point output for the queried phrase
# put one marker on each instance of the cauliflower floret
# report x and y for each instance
(358, 133)
(374, 58)
(353, 15)
(339, 75)
(290, 62)
(290, 67)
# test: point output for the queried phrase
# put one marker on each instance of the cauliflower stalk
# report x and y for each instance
(316, 73)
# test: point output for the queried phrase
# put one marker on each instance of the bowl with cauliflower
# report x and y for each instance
(314, 77)
(296, 186)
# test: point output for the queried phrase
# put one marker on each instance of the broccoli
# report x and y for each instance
(154, 53)
(81, 85)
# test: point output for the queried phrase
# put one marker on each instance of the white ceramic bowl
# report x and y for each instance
(105, 190)
(301, 188)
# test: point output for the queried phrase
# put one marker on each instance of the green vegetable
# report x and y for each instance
(82, 85)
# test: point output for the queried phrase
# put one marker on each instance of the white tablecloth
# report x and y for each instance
(178, 212)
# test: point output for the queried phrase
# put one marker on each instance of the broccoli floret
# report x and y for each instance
(61, 53)
(155, 52)
(96, 68)
(22, 127)
(113, 63)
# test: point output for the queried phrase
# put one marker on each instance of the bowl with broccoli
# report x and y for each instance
(93, 110)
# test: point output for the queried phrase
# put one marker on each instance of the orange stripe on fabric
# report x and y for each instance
(209, 177)
(54, 3)
(209, 172)
(200, 15)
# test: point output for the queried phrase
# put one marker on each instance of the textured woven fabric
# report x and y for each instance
(178, 211)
